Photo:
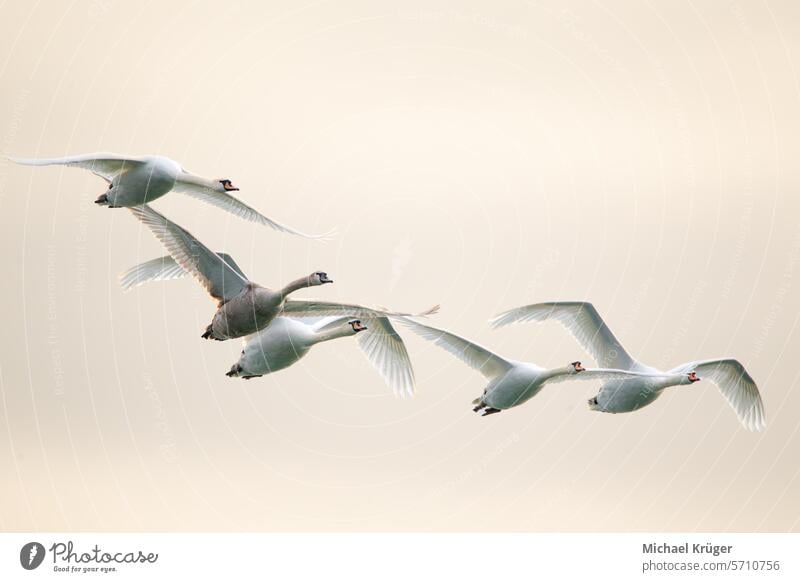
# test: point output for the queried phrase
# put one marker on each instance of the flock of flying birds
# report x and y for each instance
(279, 330)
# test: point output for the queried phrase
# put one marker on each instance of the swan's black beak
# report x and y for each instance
(323, 278)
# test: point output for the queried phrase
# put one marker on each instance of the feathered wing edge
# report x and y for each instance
(736, 385)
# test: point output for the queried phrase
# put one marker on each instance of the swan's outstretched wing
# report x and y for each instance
(605, 374)
(238, 208)
(387, 353)
(103, 164)
(220, 279)
(486, 362)
(585, 324)
(736, 385)
(313, 308)
(385, 350)
(160, 269)
(164, 269)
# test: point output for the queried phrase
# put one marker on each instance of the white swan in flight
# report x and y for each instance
(286, 340)
(511, 383)
(586, 325)
(136, 180)
(243, 307)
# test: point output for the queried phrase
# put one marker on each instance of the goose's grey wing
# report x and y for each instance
(238, 208)
(103, 164)
(474, 355)
(164, 269)
(220, 279)
(583, 321)
(736, 385)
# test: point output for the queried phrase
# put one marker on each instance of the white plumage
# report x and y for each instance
(586, 325)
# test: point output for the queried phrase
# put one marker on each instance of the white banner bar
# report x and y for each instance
(400, 557)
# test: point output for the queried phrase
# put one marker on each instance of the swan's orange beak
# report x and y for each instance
(228, 186)
(693, 377)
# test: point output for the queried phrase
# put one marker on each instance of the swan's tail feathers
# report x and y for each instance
(21, 161)
(432, 311)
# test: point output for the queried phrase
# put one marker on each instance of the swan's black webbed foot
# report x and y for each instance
(488, 411)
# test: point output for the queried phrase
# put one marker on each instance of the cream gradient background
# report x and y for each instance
(481, 155)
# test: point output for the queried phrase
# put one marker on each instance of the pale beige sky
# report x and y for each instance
(481, 156)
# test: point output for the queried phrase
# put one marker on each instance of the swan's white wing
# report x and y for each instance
(387, 353)
(585, 324)
(486, 362)
(103, 164)
(385, 350)
(160, 269)
(163, 269)
(736, 385)
(238, 208)
(604, 374)
(313, 308)
(222, 281)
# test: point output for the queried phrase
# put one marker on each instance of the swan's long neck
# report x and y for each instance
(325, 335)
(670, 380)
(187, 178)
(556, 372)
(301, 283)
